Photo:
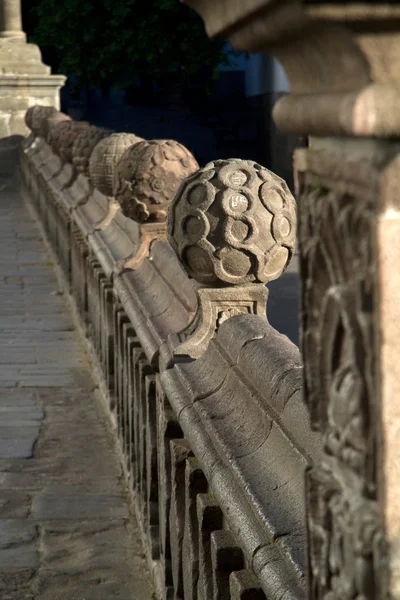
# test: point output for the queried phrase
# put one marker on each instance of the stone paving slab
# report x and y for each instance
(66, 527)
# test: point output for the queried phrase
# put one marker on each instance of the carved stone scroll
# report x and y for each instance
(346, 542)
(340, 261)
(150, 233)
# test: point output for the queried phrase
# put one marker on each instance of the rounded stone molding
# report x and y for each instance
(105, 157)
(35, 115)
(62, 136)
(83, 146)
(148, 176)
(233, 222)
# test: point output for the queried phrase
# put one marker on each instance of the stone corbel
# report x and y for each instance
(150, 233)
(217, 305)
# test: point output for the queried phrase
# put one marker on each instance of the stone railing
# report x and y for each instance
(167, 265)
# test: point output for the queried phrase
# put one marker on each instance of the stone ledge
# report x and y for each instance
(31, 80)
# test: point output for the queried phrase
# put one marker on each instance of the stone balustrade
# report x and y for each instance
(167, 264)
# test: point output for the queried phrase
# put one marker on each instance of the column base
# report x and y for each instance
(19, 58)
(24, 82)
(13, 36)
(20, 92)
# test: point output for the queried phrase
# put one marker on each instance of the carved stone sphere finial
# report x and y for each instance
(36, 114)
(50, 122)
(83, 146)
(105, 157)
(148, 176)
(233, 222)
(62, 137)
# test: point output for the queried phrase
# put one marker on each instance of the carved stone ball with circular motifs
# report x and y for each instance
(83, 146)
(105, 157)
(148, 176)
(36, 114)
(62, 137)
(50, 122)
(233, 222)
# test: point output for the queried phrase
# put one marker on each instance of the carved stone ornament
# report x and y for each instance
(50, 122)
(347, 551)
(148, 176)
(35, 115)
(62, 137)
(233, 227)
(233, 222)
(104, 158)
(150, 233)
(84, 145)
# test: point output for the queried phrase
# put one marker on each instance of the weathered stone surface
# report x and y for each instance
(18, 93)
(65, 525)
(15, 504)
(22, 60)
(36, 114)
(50, 122)
(233, 222)
(24, 79)
(182, 500)
(195, 483)
(84, 145)
(148, 176)
(105, 157)
(233, 226)
(342, 64)
(11, 22)
(62, 137)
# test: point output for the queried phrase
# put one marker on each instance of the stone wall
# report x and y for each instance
(341, 59)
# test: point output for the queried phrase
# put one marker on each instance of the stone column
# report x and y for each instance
(11, 20)
(342, 61)
(24, 79)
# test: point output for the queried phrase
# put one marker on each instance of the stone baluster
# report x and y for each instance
(342, 60)
(11, 20)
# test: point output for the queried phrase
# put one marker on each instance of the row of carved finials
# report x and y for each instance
(231, 222)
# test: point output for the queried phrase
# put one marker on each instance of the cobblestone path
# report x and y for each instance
(65, 526)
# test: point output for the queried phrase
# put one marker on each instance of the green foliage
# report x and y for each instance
(107, 40)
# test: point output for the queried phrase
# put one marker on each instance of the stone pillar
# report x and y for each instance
(24, 79)
(342, 60)
(11, 20)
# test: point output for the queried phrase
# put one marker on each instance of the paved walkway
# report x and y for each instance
(65, 526)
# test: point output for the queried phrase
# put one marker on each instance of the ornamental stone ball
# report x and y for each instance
(62, 137)
(233, 222)
(83, 146)
(105, 157)
(148, 176)
(36, 114)
(50, 122)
